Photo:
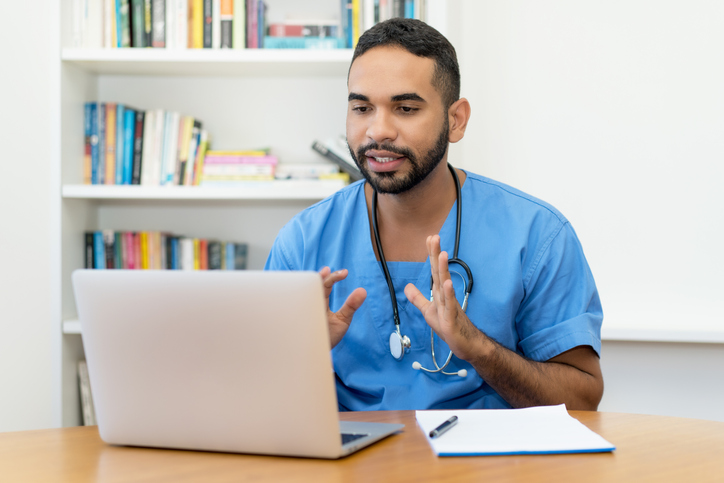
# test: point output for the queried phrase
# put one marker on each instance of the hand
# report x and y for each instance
(444, 314)
(339, 321)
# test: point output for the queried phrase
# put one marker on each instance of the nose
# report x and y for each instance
(382, 127)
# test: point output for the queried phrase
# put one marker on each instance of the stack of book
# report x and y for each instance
(224, 168)
(155, 250)
(124, 145)
(220, 24)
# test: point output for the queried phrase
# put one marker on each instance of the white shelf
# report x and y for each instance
(693, 336)
(207, 62)
(252, 190)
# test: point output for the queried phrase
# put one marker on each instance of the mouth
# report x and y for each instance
(382, 162)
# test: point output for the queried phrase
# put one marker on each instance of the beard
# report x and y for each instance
(391, 182)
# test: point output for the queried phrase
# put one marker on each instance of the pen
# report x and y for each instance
(444, 427)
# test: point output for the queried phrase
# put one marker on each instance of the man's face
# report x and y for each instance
(397, 126)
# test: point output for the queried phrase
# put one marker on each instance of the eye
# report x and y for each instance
(360, 109)
(408, 109)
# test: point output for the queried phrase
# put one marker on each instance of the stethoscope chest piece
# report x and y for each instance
(399, 345)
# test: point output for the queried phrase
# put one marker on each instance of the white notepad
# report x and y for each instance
(536, 430)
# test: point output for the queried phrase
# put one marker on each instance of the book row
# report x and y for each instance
(156, 250)
(155, 147)
(220, 24)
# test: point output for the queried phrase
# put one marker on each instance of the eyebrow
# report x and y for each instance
(408, 96)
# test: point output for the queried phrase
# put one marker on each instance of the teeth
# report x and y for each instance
(384, 160)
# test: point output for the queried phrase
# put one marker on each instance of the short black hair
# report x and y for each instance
(419, 39)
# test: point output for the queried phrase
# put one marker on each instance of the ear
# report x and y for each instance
(458, 116)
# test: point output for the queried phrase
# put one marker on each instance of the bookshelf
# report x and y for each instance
(283, 99)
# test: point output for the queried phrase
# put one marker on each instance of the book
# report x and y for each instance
(304, 29)
(147, 154)
(193, 151)
(305, 170)
(148, 23)
(138, 21)
(304, 42)
(87, 143)
(226, 24)
(120, 143)
(333, 151)
(207, 26)
(88, 254)
(86, 395)
(240, 255)
(99, 251)
(214, 256)
(252, 21)
(158, 28)
(109, 245)
(118, 260)
(110, 156)
(202, 146)
(101, 167)
(138, 147)
(129, 138)
(180, 18)
(123, 23)
(239, 25)
(215, 24)
(170, 24)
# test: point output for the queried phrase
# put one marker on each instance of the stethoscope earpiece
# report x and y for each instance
(400, 344)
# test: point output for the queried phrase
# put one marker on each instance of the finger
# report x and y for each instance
(451, 302)
(350, 306)
(443, 268)
(331, 278)
(416, 298)
(433, 250)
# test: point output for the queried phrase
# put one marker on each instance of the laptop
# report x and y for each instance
(228, 361)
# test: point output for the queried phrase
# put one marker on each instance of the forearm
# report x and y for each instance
(523, 382)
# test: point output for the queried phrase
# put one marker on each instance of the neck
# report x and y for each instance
(413, 215)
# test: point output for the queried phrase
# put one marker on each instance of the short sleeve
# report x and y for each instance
(561, 308)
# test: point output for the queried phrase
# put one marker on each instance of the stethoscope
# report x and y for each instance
(400, 344)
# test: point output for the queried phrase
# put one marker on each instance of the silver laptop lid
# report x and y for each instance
(234, 361)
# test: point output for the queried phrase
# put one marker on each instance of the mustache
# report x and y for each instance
(384, 147)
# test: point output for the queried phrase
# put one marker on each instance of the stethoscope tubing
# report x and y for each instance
(451, 261)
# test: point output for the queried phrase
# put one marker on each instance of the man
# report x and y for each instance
(531, 332)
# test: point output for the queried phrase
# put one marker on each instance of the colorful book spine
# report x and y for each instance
(226, 24)
(110, 156)
(138, 147)
(239, 27)
(87, 143)
(129, 134)
(95, 137)
(138, 37)
(304, 42)
(158, 28)
(120, 142)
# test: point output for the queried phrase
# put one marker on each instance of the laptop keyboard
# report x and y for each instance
(349, 437)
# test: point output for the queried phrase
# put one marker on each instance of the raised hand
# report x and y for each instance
(443, 313)
(339, 321)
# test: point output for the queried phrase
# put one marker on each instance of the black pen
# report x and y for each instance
(444, 427)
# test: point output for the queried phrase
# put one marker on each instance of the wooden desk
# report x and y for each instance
(649, 448)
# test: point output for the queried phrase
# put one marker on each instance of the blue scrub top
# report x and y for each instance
(533, 293)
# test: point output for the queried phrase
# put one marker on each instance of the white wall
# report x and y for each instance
(613, 111)
(26, 63)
